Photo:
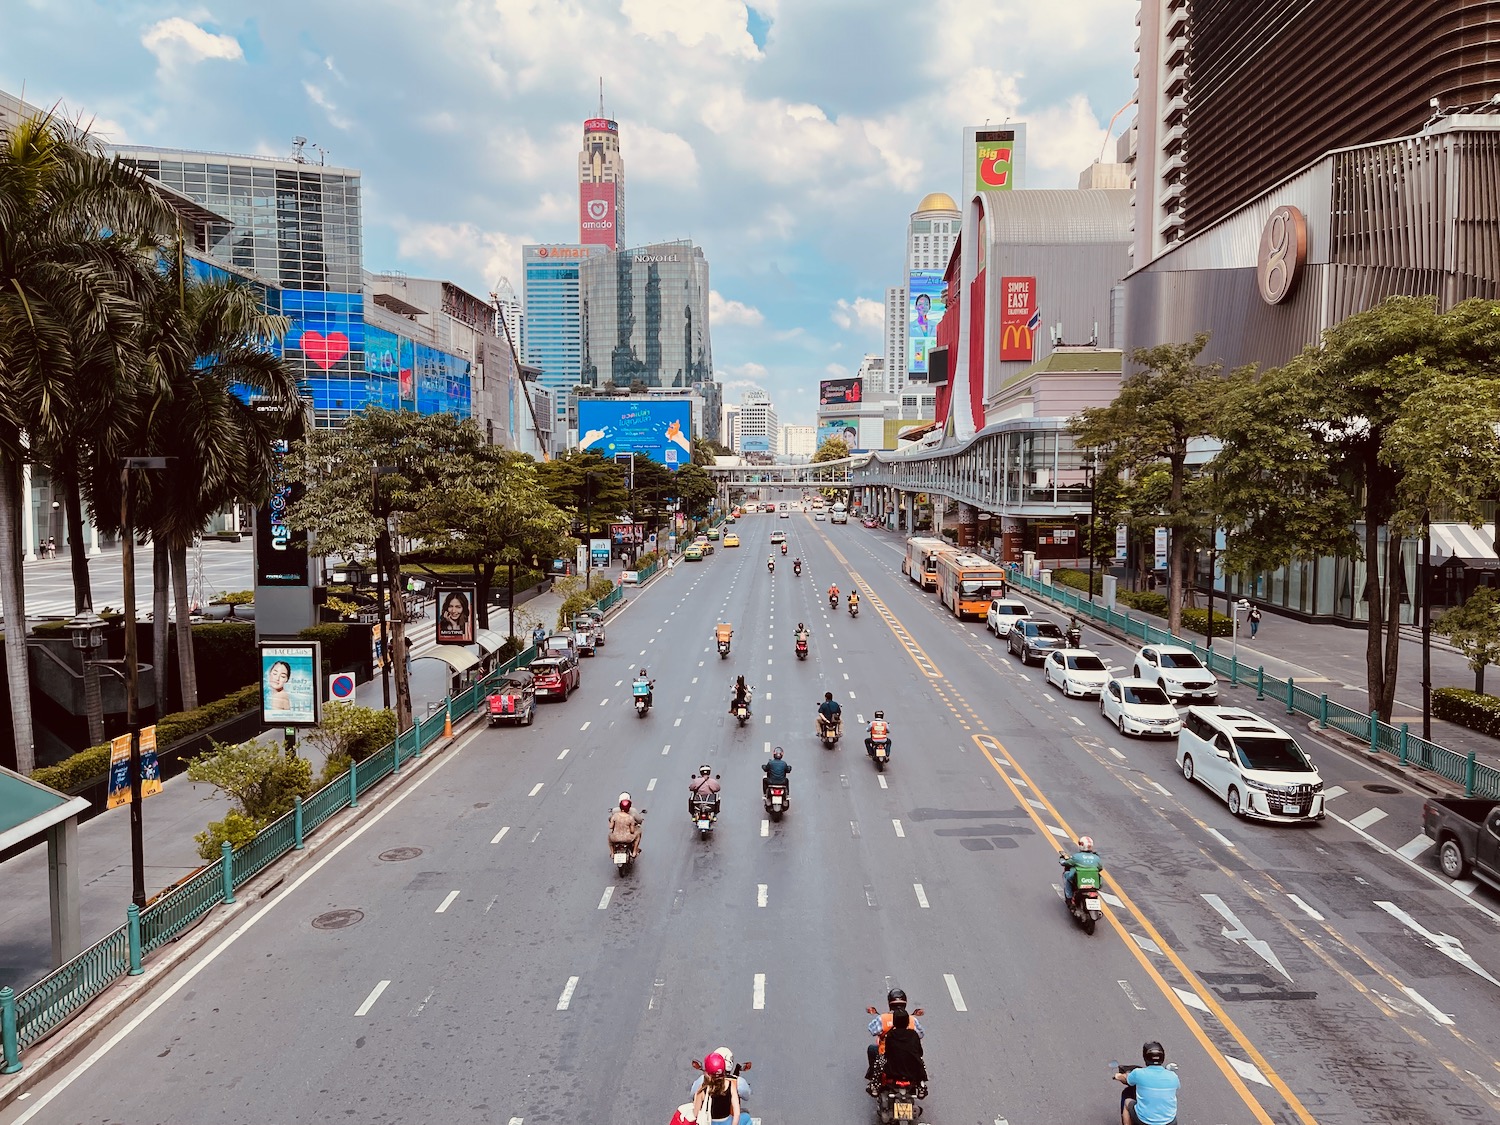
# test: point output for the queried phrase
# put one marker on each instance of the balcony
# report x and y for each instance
(1176, 109)
(1175, 137)
(1172, 167)
(1176, 81)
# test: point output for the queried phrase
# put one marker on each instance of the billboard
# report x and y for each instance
(389, 369)
(601, 125)
(1019, 319)
(924, 296)
(757, 443)
(661, 430)
(994, 159)
(832, 392)
(280, 549)
(596, 214)
(455, 619)
(846, 429)
(289, 683)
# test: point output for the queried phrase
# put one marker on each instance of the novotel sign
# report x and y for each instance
(647, 259)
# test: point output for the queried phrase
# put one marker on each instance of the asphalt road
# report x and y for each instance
(498, 969)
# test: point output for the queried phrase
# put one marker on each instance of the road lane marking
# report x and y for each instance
(958, 997)
(564, 754)
(364, 1009)
(765, 827)
(665, 749)
(760, 894)
(1439, 1017)
(1241, 933)
(1058, 832)
(854, 829)
(880, 777)
(447, 902)
(1302, 906)
(1446, 944)
(586, 725)
(896, 824)
(1463, 888)
(609, 893)
(1334, 791)
(1367, 818)
(535, 789)
(1079, 721)
(678, 723)
(500, 835)
(567, 994)
(650, 785)
(687, 698)
(921, 896)
(1247, 1070)
(1146, 943)
(1130, 994)
(1191, 999)
(604, 702)
(1216, 834)
(1160, 788)
(758, 996)
(1415, 847)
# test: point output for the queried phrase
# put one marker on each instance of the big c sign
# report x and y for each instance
(1017, 311)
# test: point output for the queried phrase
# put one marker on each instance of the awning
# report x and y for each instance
(489, 640)
(1462, 540)
(459, 659)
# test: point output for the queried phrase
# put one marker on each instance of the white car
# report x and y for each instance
(1139, 707)
(778, 537)
(1255, 767)
(819, 517)
(1178, 672)
(1077, 671)
(784, 514)
(1003, 613)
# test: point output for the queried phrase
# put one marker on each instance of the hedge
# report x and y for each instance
(642, 562)
(225, 656)
(86, 765)
(1147, 601)
(1196, 621)
(1076, 579)
(1468, 708)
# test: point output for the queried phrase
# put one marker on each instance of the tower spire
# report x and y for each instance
(601, 95)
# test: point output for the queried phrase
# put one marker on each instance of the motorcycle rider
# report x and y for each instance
(776, 771)
(1150, 1094)
(771, 563)
(641, 678)
(879, 728)
(723, 633)
(703, 786)
(1075, 632)
(1085, 857)
(903, 1053)
(853, 601)
(625, 827)
(895, 1000)
(720, 1093)
(803, 635)
(829, 712)
(731, 1070)
(797, 565)
(740, 694)
(833, 596)
(783, 549)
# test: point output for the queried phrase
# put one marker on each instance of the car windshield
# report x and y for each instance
(1275, 752)
(1147, 696)
(545, 668)
(1046, 629)
(1008, 610)
(1086, 663)
(981, 587)
(1180, 660)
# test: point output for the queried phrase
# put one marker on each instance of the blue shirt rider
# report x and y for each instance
(776, 770)
(1086, 858)
(1150, 1094)
(829, 709)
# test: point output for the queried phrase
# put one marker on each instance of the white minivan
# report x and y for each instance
(1256, 768)
(839, 514)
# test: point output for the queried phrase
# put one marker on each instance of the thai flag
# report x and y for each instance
(1036, 320)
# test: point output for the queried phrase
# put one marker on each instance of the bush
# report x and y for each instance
(260, 777)
(1196, 621)
(1147, 601)
(645, 561)
(239, 597)
(572, 606)
(1468, 708)
(225, 656)
(1076, 579)
(352, 732)
(236, 828)
(74, 771)
(599, 588)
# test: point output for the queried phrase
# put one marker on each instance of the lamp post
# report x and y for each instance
(1092, 471)
(382, 545)
(88, 634)
(1426, 595)
(132, 674)
(1234, 632)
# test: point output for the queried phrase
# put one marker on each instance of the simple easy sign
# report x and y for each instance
(1018, 302)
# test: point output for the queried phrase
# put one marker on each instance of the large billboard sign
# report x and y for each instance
(994, 159)
(836, 392)
(1019, 319)
(596, 214)
(661, 430)
(601, 125)
(924, 295)
(845, 429)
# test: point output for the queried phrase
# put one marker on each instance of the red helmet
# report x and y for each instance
(714, 1064)
(624, 804)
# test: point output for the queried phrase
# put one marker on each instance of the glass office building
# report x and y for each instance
(645, 317)
(553, 321)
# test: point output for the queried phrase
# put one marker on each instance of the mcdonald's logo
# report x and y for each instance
(1016, 342)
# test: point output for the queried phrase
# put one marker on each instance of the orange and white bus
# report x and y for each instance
(967, 584)
(920, 563)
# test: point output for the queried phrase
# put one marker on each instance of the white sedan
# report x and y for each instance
(1077, 671)
(1139, 707)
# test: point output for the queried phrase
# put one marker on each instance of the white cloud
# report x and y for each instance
(1073, 134)
(836, 371)
(488, 254)
(321, 99)
(660, 157)
(721, 311)
(718, 25)
(176, 41)
(861, 313)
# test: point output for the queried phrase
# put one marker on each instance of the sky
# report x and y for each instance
(790, 139)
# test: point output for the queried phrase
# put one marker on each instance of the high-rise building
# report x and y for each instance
(757, 427)
(601, 183)
(645, 317)
(554, 321)
(798, 442)
(930, 234)
(1234, 98)
(895, 338)
(511, 314)
(871, 375)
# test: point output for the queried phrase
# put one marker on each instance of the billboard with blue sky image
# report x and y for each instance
(662, 431)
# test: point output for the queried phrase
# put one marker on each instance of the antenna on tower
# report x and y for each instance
(601, 95)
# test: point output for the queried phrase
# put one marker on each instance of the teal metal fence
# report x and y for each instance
(51, 1001)
(1477, 778)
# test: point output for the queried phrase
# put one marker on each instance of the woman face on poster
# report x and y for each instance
(455, 614)
(277, 677)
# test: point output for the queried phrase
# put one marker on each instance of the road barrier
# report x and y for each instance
(1478, 778)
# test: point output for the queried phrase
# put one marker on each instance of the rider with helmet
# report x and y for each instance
(776, 771)
(642, 678)
(895, 999)
(879, 728)
(1150, 1094)
(740, 693)
(771, 563)
(797, 564)
(853, 599)
(1085, 858)
(733, 1071)
(625, 826)
(720, 1092)
(803, 633)
(833, 596)
(703, 786)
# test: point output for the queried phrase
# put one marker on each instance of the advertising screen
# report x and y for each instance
(846, 429)
(755, 444)
(455, 619)
(924, 309)
(836, 391)
(596, 214)
(662, 431)
(994, 159)
(289, 683)
(388, 369)
(441, 382)
(280, 550)
(1019, 319)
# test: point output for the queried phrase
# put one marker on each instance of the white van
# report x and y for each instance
(839, 514)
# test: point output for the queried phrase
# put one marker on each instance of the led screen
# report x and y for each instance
(924, 310)
(662, 431)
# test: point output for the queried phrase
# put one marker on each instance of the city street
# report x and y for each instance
(468, 953)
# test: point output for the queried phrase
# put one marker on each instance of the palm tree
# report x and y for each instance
(71, 260)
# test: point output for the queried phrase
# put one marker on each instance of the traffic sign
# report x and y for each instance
(341, 687)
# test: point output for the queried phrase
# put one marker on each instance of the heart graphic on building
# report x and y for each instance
(598, 208)
(323, 350)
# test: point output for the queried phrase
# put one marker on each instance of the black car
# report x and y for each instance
(1030, 640)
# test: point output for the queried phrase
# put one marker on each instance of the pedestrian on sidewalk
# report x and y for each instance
(51, 547)
(1254, 618)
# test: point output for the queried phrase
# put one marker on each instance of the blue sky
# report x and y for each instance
(790, 139)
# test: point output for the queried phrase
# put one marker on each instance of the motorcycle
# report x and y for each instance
(1075, 636)
(833, 601)
(624, 861)
(777, 801)
(705, 813)
(829, 732)
(742, 712)
(642, 693)
(853, 609)
(1125, 1068)
(735, 1071)
(797, 569)
(771, 565)
(880, 751)
(783, 548)
(895, 1098)
(801, 649)
(723, 649)
(1085, 905)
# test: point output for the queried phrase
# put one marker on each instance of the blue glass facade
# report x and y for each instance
(554, 323)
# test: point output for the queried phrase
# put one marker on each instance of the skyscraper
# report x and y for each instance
(554, 325)
(930, 235)
(758, 428)
(601, 183)
(645, 317)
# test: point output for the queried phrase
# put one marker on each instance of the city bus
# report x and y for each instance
(967, 584)
(920, 563)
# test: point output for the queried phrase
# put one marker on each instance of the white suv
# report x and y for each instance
(1257, 768)
(1177, 670)
(1003, 613)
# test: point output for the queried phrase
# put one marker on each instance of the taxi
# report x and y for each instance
(693, 554)
(731, 540)
(713, 534)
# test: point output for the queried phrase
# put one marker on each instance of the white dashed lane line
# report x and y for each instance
(535, 789)
(567, 994)
(364, 1009)
(500, 835)
(447, 902)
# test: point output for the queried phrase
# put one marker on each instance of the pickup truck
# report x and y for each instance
(1467, 832)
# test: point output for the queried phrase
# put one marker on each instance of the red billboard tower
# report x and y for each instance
(601, 182)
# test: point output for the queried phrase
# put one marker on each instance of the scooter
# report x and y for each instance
(771, 565)
(1075, 636)
(642, 693)
(783, 549)
(777, 801)
(880, 752)
(624, 861)
(833, 601)
(705, 813)
(895, 1098)
(723, 649)
(1085, 905)
(801, 649)
(742, 712)
(829, 732)
(853, 609)
(797, 569)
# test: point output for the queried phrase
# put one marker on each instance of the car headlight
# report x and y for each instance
(1256, 785)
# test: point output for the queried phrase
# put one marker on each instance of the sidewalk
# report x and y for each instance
(171, 820)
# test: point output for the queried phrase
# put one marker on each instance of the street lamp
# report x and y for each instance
(133, 672)
(87, 630)
(382, 545)
(1091, 470)
(1235, 610)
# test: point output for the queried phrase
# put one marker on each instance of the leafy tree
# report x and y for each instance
(1343, 449)
(706, 449)
(1171, 402)
(1474, 628)
(349, 733)
(832, 449)
(261, 778)
(695, 488)
(587, 485)
(72, 254)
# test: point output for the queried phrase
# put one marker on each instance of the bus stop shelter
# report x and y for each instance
(28, 810)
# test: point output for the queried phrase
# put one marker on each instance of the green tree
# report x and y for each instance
(1474, 629)
(261, 778)
(72, 255)
(706, 449)
(1341, 451)
(832, 449)
(585, 484)
(1163, 408)
(695, 488)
